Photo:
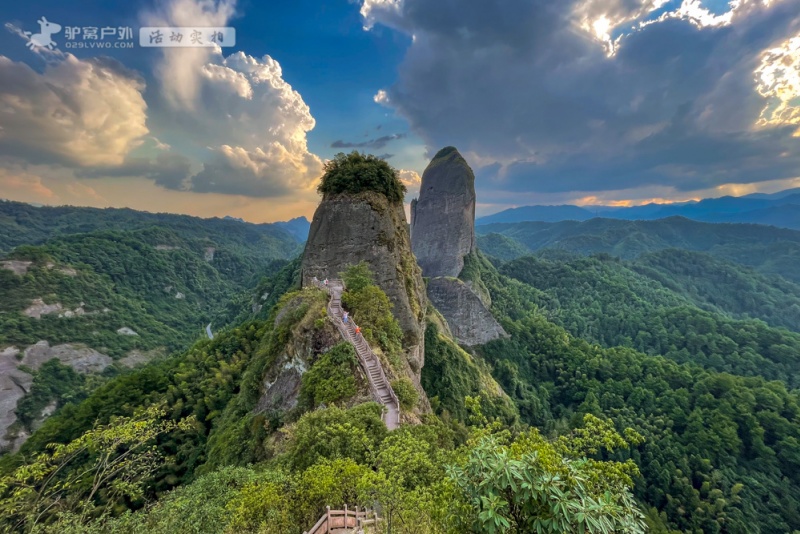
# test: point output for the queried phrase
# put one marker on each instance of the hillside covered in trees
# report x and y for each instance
(103, 291)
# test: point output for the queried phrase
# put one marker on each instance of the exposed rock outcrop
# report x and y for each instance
(16, 383)
(126, 331)
(443, 240)
(350, 228)
(443, 218)
(311, 337)
(469, 320)
(81, 358)
(39, 308)
(18, 267)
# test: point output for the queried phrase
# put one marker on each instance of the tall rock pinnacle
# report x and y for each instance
(443, 239)
(443, 218)
(351, 227)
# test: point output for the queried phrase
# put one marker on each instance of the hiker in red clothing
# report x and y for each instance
(358, 330)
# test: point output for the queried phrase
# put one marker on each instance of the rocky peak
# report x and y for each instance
(366, 226)
(443, 240)
(443, 218)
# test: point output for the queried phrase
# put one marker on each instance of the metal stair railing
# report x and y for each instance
(364, 351)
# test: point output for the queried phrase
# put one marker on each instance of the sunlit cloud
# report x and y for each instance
(778, 81)
(81, 112)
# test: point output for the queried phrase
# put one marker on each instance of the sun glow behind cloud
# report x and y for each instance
(609, 22)
(778, 81)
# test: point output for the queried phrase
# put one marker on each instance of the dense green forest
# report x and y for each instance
(159, 279)
(768, 250)
(602, 300)
(24, 224)
(719, 451)
(198, 409)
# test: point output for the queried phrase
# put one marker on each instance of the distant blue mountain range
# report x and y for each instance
(780, 209)
(298, 227)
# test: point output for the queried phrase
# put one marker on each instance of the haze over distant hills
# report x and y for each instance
(780, 209)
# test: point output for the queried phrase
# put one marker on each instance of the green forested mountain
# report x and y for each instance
(767, 249)
(720, 450)
(24, 224)
(718, 284)
(605, 301)
(108, 289)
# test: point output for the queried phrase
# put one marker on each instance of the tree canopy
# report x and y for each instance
(357, 172)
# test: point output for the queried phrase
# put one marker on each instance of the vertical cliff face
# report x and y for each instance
(443, 218)
(352, 227)
(443, 240)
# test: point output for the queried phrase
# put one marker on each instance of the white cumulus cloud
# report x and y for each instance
(80, 112)
(253, 123)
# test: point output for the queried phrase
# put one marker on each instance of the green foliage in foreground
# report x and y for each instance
(103, 468)
(198, 383)
(531, 484)
(355, 173)
(422, 482)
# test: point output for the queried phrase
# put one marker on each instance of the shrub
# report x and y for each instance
(331, 378)
(356, 173)
(334, 433)
(357, 277)
(406, 393)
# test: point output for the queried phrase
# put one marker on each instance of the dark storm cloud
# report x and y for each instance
(379, 142)
(520, 83)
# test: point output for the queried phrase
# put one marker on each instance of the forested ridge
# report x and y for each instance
(767, 249)
(24, 224)
(719, 451)
(606, 301)
(130, 292)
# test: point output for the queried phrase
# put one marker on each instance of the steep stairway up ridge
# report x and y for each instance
(379, 385)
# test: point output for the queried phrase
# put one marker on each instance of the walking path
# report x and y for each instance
(378, 384)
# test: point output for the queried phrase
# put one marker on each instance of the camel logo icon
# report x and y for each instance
(42, 39)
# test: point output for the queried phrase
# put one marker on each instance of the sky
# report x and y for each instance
(616, 102)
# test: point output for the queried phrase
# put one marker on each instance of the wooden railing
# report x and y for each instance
(343, 519)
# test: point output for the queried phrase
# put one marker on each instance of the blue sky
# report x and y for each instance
(582, 101)
(322, 47)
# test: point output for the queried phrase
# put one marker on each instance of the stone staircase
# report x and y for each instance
(379, 385)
